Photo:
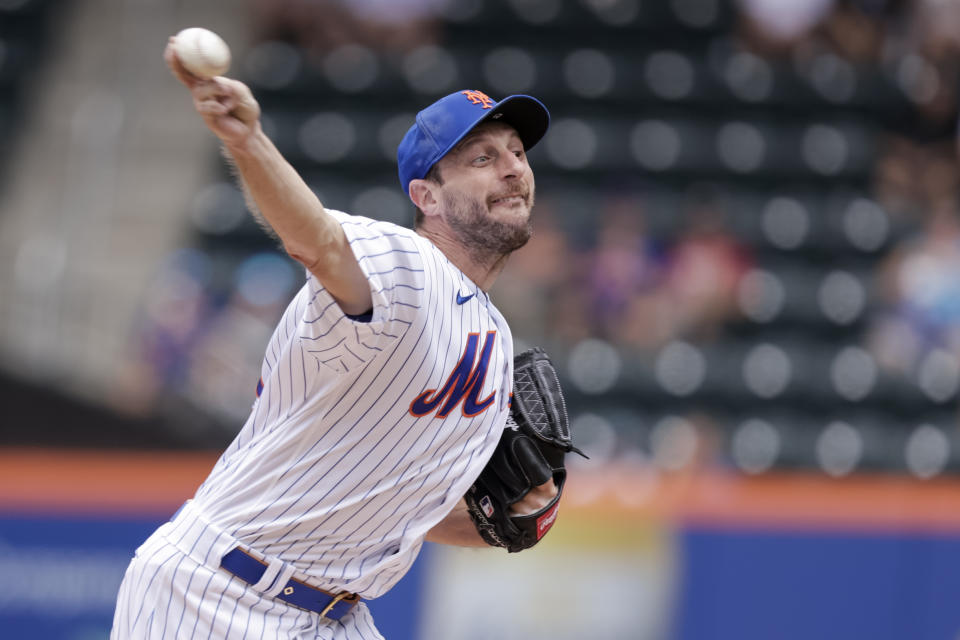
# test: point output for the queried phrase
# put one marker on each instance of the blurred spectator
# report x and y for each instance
(625, 275)
(857, 29)
(626, 286)
(921, 292)
(224, 366)
(911, 178)
(173, 317)
(569, 320)
(916, 42)
(187, 343)
(534, 277)
(324, 25)
(896, 178)
(937, 26)
(703, 272)
(931, 52)
(775, 26)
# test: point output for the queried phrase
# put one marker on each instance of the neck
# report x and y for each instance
(482, 269)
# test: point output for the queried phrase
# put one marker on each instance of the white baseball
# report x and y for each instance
(202, 52)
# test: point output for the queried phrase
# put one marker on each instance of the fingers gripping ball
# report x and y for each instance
(202, 52)
(530, 452)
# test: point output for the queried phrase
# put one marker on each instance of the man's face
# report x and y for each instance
(488, 189)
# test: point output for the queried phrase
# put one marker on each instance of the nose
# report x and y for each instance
(513, 167)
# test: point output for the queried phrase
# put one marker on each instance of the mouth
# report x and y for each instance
(509, 200)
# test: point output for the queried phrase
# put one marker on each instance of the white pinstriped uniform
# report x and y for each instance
(333, 473)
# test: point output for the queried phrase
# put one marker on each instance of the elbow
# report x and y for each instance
(312, 245)
(309, 259)
(313, 254)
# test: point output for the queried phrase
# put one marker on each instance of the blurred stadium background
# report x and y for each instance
(745, 266)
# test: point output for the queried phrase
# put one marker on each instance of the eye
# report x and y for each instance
(481, 159)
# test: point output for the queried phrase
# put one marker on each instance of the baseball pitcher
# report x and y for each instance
(390, 409)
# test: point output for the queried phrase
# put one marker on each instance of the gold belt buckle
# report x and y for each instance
(336, 599)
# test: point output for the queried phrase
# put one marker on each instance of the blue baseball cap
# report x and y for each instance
(443, 124)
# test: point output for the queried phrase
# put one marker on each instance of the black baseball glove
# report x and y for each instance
(530, 452)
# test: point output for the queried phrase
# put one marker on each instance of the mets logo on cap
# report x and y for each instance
(478, 97)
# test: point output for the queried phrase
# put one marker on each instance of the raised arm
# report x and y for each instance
(308, 233)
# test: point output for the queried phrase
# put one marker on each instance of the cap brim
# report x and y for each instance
(526, 114)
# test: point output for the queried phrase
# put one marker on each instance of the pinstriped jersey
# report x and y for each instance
(366, 433)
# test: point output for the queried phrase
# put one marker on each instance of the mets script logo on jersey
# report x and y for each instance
(463, 385)
(478, 97)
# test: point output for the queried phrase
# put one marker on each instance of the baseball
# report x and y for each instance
(202, 52)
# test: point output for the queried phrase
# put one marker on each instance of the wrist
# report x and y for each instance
(251, 145)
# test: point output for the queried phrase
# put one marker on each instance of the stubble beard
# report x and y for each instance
(485, 238)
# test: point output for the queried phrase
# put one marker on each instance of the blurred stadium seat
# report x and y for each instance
(23, 29)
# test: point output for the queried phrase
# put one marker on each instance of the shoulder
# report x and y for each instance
(379, 240)
(363, 228)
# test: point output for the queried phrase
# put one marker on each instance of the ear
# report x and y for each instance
(424, 195)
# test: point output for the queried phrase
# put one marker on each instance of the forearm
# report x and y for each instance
(283, 201)
(281, 197)
(308, 233)
(457, 529)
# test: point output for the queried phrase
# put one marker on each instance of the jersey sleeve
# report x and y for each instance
(390, 257)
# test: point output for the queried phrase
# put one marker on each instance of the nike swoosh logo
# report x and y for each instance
(461, 298)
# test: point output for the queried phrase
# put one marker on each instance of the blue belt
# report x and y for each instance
(249, 569)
